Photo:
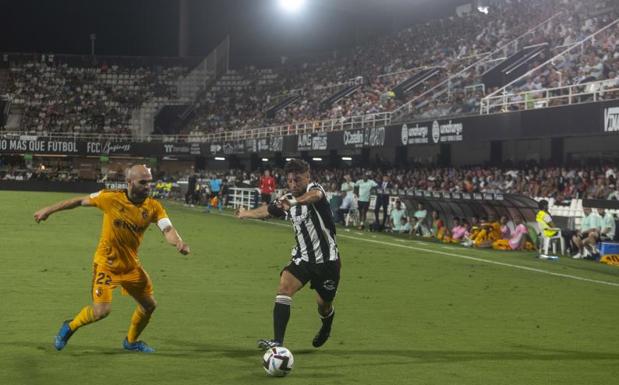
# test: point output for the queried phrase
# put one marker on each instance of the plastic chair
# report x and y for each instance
(548, 241)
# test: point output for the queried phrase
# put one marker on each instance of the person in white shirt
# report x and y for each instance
(420, 227)
(405, 226)
(365, 186)
(607, 232)
(586, 239)
(397, 213)
(615, 194)
(347, 188)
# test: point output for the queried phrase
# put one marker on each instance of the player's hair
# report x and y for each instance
(543, 205)
(296, 166)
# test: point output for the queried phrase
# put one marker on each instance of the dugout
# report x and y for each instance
(467, 205)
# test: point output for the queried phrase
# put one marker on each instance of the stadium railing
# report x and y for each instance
(502, 96)
(550, 97)
(354, 122)
(242, 197)
(485, 61)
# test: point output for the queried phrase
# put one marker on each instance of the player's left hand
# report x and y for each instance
(286, 202)
(183, 248)
(41, 215)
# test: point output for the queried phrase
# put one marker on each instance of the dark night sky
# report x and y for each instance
(150, 27)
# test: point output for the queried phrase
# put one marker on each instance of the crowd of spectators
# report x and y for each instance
(38, 174)
(451, 45)
(100, 98)
(87, 98)
(595, 60)
(531, 179)
(560, 183)
(349, 189)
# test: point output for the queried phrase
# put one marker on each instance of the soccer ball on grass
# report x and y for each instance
(278, 362)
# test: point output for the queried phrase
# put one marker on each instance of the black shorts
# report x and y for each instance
(363, 205)
(266, 198)
(323, 277)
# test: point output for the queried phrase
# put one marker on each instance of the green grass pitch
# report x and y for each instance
(408, 312)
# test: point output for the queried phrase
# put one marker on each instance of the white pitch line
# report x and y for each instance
(526, 268)
(489, 261)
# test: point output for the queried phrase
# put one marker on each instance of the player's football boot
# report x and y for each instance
(321, 337)
(63, 335)
(268, 344)
(137, 346)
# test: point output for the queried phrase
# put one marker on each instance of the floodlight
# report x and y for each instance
(291, 5)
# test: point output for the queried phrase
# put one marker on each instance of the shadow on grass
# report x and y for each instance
(194, 349)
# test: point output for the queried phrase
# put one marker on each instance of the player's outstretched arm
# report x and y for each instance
(68, 204)
(172, 237)
(259, 213)
(308, 198)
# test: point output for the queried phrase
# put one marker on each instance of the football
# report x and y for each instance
(278, 362)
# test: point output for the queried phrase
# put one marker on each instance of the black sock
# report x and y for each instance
(281, 315)
(328, 320)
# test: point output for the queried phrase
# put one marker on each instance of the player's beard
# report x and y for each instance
(138, 195)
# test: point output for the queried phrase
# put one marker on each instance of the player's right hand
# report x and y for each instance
(183, 248)
(41, 215)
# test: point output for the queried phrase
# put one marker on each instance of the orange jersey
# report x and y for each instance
(124, 224)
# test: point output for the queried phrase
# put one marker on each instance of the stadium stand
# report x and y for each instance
(506, 60)
(59, 93)
(444, 66)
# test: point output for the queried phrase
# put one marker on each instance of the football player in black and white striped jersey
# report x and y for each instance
(315, 257)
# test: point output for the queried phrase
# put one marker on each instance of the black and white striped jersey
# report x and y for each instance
(314, 230)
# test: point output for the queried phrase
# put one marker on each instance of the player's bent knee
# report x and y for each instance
(285, 291)
(101, 311)
(324, 308)
(150, 308)
(148, 305)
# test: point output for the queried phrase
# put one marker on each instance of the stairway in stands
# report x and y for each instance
(4, 81)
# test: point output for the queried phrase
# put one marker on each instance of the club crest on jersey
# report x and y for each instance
(144, 214)
(329, 284)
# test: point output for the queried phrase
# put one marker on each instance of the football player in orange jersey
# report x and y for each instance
(126, 216)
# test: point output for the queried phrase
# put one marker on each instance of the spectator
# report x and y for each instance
(457, 232)
(191, 196)
(586, 239)
(365, 186)
(607, 232)
(347, 189)
(438, 227)
(405, 226)
(420, 227)
(267, 187)
(215, 196)
(382, 200)
(397, 213)
(517, 239)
